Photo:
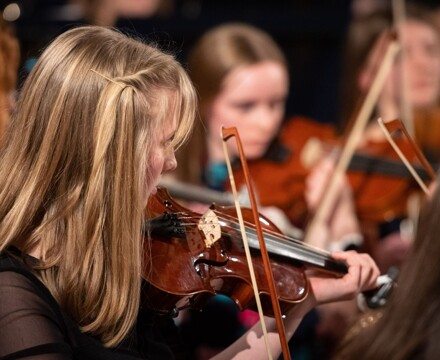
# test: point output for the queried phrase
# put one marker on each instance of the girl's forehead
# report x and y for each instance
(267, 77)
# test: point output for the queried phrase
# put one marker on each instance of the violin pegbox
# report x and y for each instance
(210, 226)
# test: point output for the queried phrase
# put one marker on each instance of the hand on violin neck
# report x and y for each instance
(362, 275)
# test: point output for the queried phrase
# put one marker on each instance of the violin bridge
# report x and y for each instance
(210, 227)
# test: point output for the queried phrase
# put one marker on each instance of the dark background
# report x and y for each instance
(311, 33)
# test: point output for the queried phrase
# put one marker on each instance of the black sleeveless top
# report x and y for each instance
(33, 326)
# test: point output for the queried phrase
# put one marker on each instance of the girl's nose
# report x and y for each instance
(170, 163)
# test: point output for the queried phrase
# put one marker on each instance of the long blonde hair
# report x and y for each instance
(74, 169)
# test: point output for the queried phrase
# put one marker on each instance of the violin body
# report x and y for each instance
(378, 197)
(427, 132)
(186, 271)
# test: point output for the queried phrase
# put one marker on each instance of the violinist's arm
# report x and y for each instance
(341, 227)
(362, 275)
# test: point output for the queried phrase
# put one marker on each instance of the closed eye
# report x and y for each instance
(245, 106)
(169, 140)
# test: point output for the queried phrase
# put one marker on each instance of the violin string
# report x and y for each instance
(307, 247)
(294, 252)
(250, 225)
(306, 253)
(279, 236)
(276, 236)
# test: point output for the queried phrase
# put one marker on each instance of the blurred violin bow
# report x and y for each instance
(406, 111)
(397, 125)
(227, 133)
(351, 143)
(388, 129)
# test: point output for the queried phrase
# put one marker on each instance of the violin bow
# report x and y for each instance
(227, 133)
(351, 143)
(373, 66)
(397, 125)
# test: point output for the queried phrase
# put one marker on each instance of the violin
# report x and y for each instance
(190, 257)
(427, 132)
(381, 184)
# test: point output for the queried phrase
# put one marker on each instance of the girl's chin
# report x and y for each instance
(153, 191)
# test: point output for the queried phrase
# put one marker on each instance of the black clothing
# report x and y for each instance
(33, 326)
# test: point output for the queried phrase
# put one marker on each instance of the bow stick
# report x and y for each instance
(396, 125)
(227, 133)
(352, 142)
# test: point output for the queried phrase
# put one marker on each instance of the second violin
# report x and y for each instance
(380, 182)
